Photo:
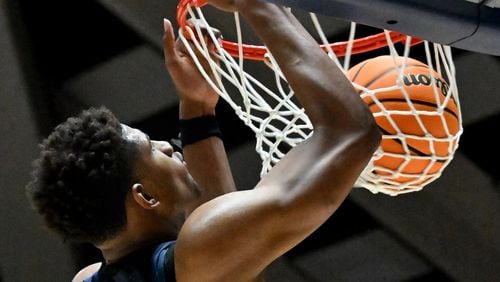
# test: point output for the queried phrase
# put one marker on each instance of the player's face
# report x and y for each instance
(163, 173)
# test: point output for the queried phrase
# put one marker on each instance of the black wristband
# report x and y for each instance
(198, 128)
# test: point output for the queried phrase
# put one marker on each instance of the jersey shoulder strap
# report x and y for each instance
(163, 262)
(161, 268)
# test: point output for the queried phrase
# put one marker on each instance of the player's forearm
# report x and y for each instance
(207, 159)
(319, 84)
(345, 132)
(207, 162)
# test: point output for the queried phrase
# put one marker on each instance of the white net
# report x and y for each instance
(419, 140)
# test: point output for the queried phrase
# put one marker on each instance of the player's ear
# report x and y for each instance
(142, 198)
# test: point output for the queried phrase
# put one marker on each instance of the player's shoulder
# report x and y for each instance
(86, 272)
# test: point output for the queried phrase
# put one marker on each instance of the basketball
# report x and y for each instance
(417, 118)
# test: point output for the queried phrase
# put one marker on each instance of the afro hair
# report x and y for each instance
(82, 176)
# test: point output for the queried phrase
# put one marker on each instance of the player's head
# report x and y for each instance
(90, 166)
(82, 177)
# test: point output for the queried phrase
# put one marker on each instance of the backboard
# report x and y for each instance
(463, 24)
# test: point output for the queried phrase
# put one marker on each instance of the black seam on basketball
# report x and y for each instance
(413, 149)
(386, 72)
(359, 70)
(416, 102)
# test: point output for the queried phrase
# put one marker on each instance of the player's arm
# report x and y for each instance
(206, 159)
(236, 236)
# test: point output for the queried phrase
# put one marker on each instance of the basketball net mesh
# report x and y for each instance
(279, 123)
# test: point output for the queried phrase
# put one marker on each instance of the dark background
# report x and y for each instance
(58, 57)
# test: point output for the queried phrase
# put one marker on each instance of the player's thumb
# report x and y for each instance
(168, 41)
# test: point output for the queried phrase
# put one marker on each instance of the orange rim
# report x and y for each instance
(256, 52)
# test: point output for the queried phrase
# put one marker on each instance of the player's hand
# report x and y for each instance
(192, 88)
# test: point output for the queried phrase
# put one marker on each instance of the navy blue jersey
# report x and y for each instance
(152, 264)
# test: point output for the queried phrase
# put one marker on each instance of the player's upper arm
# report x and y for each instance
(237, 235)
(86, 272)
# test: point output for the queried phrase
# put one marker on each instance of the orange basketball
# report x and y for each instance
(416, 126)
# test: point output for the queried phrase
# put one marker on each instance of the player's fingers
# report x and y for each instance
(183, 49)
(179, 45)
(205, 29)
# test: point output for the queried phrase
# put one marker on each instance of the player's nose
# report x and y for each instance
(164, 147)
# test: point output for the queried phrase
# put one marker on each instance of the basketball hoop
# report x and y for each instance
(407, 160)
(253, 52)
